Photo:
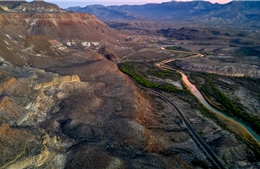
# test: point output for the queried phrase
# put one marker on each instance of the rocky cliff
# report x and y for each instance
(64, 105)
(48, 39)
(82, 113)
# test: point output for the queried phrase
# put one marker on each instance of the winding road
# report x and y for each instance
(195, 136)
(242, 127)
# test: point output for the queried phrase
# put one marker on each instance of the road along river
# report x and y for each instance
(195, 136)
(199, 96)
(254, 137)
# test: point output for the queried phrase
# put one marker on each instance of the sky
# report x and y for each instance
(69, 3)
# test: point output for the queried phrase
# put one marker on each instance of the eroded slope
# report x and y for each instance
(64, 105)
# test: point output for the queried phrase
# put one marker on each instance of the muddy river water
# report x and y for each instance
(199, 96)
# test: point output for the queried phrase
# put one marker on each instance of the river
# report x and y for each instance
(199, 96)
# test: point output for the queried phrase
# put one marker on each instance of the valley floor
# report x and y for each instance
(88, 96)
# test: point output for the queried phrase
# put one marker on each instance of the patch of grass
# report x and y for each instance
(176, 48)
(173, 47)
(131, 70)
(165, 74)
(139, 74)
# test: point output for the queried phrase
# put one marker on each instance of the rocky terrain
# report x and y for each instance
(29, 7)
(224, 52)
(236, 14)
(45, 39)
(226, 145)
(247, 97)
(65, 104)
(236, 69)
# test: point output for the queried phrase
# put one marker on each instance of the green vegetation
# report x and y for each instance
(221, 120)
(210, 89)
(140, 72)
(173, 47)
(137, 72)
(131, 70)
(176, 48)
(165, 74)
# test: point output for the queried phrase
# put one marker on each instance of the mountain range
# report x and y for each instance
(65, 104)
(201, 12)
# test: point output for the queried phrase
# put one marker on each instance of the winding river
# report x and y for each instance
(199, 96)
(193, 89)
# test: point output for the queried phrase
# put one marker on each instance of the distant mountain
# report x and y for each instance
(29, 7)
(234, 13)
(105, 13)
(170, 10)
(167, 10)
